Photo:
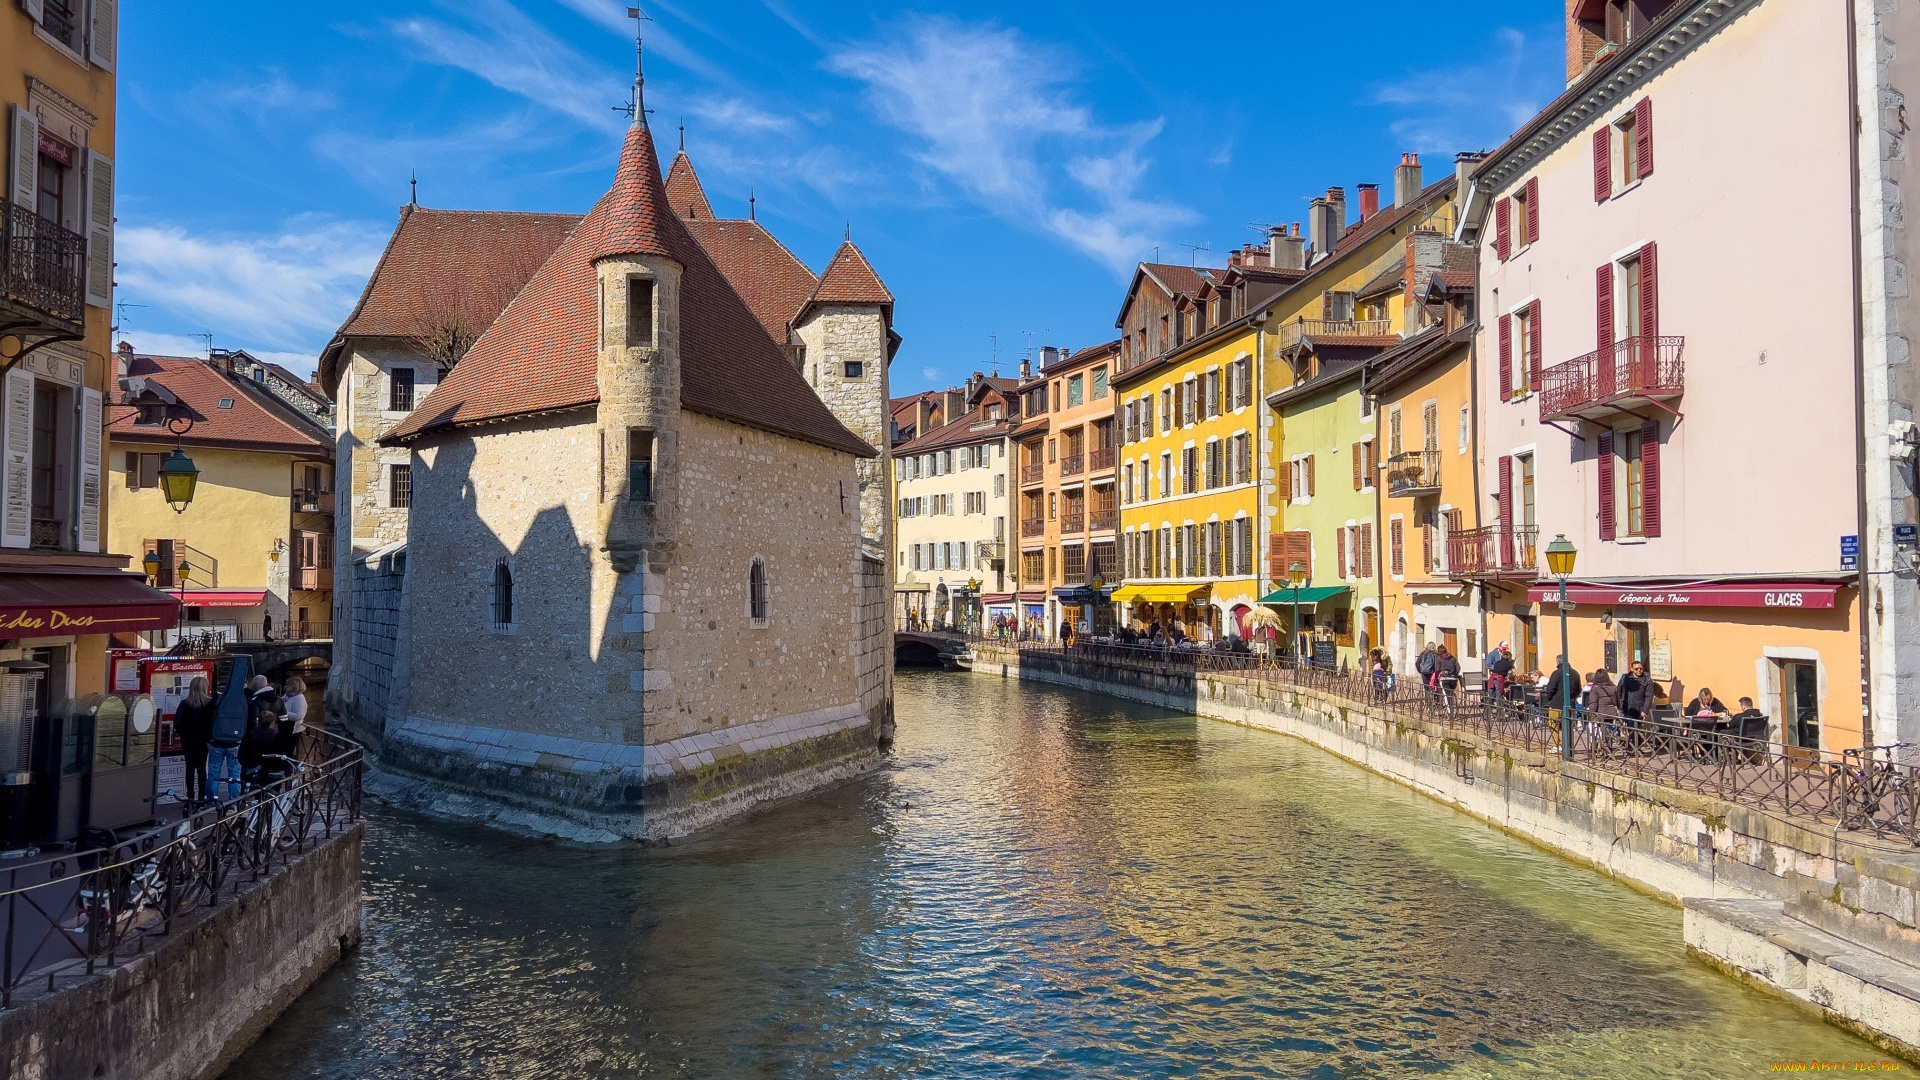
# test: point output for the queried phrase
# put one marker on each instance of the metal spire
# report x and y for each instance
(751, 214)
(639, 69)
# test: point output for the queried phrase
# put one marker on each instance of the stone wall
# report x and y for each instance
(187, 1009)
(835, 334)
(379, 632)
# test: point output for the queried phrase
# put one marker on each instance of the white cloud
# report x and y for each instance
(1477, 104)
(513, 52)
(286, 292)
(995, 116)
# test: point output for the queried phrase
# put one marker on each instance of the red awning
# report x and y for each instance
(224, 597)
(50, 605)
(1726, 594)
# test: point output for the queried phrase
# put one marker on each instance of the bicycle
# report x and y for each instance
(148, 891)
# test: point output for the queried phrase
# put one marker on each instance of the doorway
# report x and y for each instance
(1800, 704)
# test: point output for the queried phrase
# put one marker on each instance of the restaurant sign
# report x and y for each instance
(1791, 595)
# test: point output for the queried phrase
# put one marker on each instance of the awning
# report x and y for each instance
(1031, 597)
(1725, 594)
(223, 597)
(1158, 594)
(1304, 596)
(911, 586)
(46, 605)
(996, 598)
(1080, 594)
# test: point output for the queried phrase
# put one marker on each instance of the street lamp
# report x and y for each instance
(177, 479)
(152, 564)
(1297, 576)
(1560, 556)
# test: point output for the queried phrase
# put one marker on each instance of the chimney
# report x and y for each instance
(1426, 251)
(1286, 252)
(1406, 180)
(1463, 166)
(1026, 369)
(1048, 356)
(1369, 200)
(1337, 199)
(1318, 222)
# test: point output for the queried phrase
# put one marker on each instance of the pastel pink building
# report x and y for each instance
(1665, 370)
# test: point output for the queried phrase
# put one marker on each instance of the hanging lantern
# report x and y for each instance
(177, 479)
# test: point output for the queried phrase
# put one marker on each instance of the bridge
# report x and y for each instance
(273, 658)
(927, 648)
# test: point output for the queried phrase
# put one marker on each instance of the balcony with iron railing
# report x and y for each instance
(1033, 474)
(1033, 527)
(1293, 333)
(1073, 521)
(1494, 552)
(1624, 376)
(1107, 518)
(1102, 459)
(43, 267)
(1416, 472)
(312, 502)
(1072, 464)
(989, 552)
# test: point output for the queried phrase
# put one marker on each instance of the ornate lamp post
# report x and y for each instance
(1296, 576)
(1560, 556)
(178, 476)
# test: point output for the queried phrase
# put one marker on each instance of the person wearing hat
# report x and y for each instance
(1500, 670)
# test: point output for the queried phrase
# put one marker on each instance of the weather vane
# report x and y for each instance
(639, 56)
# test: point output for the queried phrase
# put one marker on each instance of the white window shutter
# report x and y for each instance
(100, 34)
(37, 9)
(90, 450)
(23, 164)
(16, 462)
(99, 229)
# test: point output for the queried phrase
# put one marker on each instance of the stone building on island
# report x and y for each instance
(642, 584)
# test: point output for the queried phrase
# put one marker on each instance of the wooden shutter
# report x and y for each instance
(1309, 464)
(1426, 548)
(1533, 346)
(23, 163)
(1286, 481)
(92, 446)
(1603, 310)
(99, 229)
(1533, 210)
(16, 463)
(1366, 549)
(1397, 546)
(1503, 479)
(1356, 466)
(133, 470)
(1300, 550)
(1650, 478)
(1277, 557)
(35, 9)
(1340, 551)
(1643, 135)
(1649, 293)
(1603, 163)
(1604, 462)
(100, 32)
(1502, 230)
(1506, 356)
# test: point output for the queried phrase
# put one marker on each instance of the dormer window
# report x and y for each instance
(150, 416)
(639, 312)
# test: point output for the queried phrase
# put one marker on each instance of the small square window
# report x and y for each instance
(226, 403)
(400, 486)
(854, 369)
(640, 465)
(639, 311)
(400, 390)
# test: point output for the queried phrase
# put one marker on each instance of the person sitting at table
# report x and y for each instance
(1705, 709)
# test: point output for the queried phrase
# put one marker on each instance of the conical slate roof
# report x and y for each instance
(850, 279)
(541, 355)
(684, 192)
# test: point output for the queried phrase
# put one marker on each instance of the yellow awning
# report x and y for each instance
(1158, 594)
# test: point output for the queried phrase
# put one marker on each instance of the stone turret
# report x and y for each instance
(847, 330)
(639, 358)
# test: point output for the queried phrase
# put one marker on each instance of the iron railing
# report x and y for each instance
(44, 265)
(1104, 518)
(1073, 522)
(1072, 464)
(1636, 367)
(1492, 552)
(72, 916)
(1033, 474)
(1033, 527)
(1102, 458)
(1416, 472)
(1874, 790)
(212, 638)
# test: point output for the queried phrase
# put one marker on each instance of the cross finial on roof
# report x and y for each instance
(752, 215)
(683, 136)
(413, 181)
(849, 231)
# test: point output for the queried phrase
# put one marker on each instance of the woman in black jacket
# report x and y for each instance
(193, 725)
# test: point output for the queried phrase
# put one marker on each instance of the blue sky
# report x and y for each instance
(1003, 166)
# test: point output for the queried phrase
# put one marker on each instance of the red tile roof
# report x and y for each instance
(468, 261)
(959, 432)
(771, 279)
(540, 355)
(246, 424)
(850, 280)
(684, 192)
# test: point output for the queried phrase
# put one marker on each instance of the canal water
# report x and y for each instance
(1039, 884)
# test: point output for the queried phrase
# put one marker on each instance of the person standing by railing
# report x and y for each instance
(296, 702)
(193, 725)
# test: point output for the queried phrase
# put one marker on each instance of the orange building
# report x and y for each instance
(1069, 510)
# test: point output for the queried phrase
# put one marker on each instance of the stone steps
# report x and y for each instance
(1872, 994)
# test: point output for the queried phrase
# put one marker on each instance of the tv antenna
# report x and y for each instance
(120, 324)
(1194, 250)
(1030, 334)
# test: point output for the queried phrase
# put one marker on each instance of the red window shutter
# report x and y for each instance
(1506, 355)
(1502, 234)
(1504, 483)
(1649, 293)
(1603, 163)
(1650, 478)
(1277, 557)
(1604, 461)
(1603, 309)
(1303, 549)
(1286, 481)
(1643, 135)
(1533, 210)
(1426, 549)
(1356, 466)
(1533, 346)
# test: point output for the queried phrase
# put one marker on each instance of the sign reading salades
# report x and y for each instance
(1794, 595)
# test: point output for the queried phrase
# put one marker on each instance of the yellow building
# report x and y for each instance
(64, 589)
(252, 558)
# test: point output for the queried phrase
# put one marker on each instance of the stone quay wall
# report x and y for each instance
(1674, 844)
(190, 1006)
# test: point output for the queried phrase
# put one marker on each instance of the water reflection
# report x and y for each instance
(1043, 884)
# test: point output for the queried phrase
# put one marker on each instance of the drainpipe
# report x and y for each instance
(1859, 381)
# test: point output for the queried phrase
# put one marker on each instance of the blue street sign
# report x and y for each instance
(1906, 535)
(1849, 545)
(1849, 562)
